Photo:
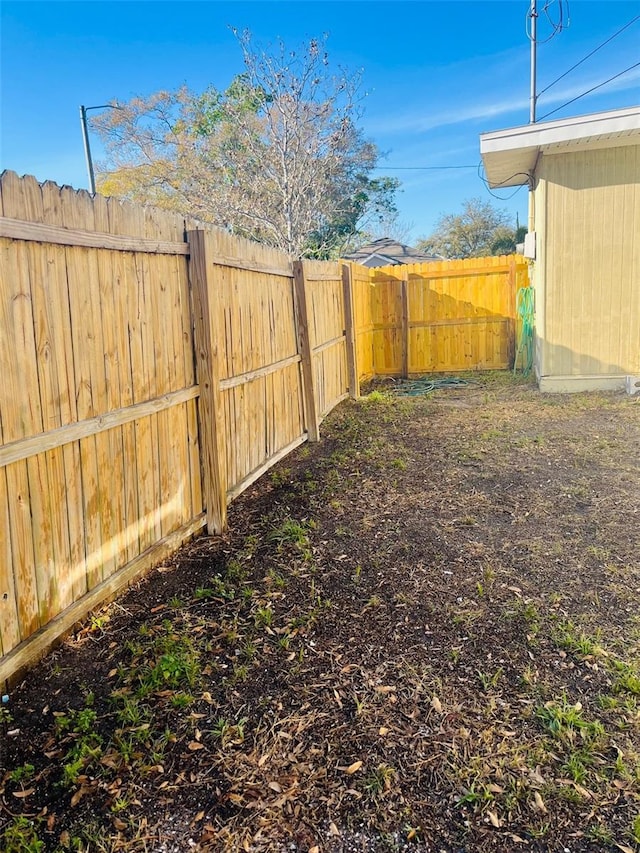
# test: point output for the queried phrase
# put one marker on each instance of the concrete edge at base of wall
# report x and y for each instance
(576, 384)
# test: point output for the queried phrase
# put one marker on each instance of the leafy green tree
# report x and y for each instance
(481, 229)
(277, 157)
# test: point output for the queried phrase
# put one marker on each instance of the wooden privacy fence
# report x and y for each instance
(152, 369)
(122, 433)
(444, 316)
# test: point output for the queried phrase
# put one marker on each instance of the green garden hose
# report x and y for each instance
(418, 387)
(525, 314)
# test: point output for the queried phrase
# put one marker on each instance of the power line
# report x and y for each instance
(592, 89)
(479, 167)
(395, 168)
(589, 55)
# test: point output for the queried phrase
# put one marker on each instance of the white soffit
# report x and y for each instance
(510, 155)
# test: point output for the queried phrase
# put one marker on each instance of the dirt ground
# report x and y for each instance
(422, 633)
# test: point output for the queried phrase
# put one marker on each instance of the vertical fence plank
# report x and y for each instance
(404, 331)
(350, 332)
(66, 408)
(207, 313)
(303, 322)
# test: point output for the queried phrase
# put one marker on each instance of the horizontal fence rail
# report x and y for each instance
(153, 369)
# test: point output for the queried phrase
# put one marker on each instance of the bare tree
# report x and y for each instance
(277, 157)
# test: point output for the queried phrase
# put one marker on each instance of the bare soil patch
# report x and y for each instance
(422, 633)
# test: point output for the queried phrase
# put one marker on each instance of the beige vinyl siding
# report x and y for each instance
(588, 276)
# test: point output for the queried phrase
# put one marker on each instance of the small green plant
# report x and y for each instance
(84, 752)
(235, 570)
(263, 617)
(490, 681)
(120, 804)
(627, 678)
(21, 836)
(379, 780)
(202, 593)
(400, 464)
(600, 833)
(249, 649)
(171, 662)
(22, 774)
(181, 700)
(575, 641)
(375, 397)
(475, 797)
(276, 579)
(280, 476)
(564, 721)
(291, 532)
(577, 765)
(229, 733)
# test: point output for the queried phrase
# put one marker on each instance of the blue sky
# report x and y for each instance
(436, 73)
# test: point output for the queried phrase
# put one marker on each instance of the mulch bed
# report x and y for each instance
(422, 633)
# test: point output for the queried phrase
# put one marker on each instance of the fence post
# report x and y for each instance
(350, 332)
(404, 294)
(303, 325)
(207, 308)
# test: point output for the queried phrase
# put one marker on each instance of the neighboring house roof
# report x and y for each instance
(510, 155)
(386, 252)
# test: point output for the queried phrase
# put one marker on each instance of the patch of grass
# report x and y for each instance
(379, 780)
(627, 678)
(569, 637)
(291, 533)
(565, 721)
(280, 476)
(376, 398)
(490, 682)
(21, 836)
(263, 617)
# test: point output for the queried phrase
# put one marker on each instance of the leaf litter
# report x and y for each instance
(420, 634)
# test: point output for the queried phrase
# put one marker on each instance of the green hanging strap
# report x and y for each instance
(525, 312)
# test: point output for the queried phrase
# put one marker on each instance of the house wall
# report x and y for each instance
(587, 276)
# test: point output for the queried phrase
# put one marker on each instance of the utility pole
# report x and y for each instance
(87, 149)
(85, 139)
(533, 15)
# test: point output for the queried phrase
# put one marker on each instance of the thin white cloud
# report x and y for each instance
(419, 121)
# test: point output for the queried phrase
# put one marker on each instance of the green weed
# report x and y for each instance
(22, 774)
(564, 721)
(21, 836)
(379, 780)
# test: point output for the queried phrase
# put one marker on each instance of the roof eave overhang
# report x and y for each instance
(510, 155)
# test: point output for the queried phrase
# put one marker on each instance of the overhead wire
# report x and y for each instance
(589, 55)
(588, 91)
(396, 168)
(556, 27)
(490, 189)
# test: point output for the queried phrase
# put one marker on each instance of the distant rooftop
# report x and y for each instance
(386, 252)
